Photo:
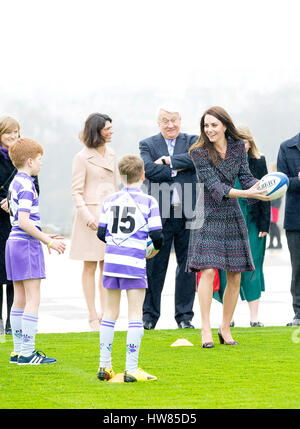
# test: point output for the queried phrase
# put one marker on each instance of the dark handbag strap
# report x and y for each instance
(9, 179)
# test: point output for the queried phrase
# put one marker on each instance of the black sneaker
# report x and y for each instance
(148, 325)
(295, 322)
(8, 328)
(256, 324)
(185, 324)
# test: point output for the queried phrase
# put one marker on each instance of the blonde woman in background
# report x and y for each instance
(257, 217)
(9, 133)
(93, 179)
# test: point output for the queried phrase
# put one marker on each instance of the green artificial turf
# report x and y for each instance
(262, 372)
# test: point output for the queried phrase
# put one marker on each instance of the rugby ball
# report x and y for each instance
(150, 251)
(274, 184)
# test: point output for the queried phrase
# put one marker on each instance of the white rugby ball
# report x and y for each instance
(274, 184)
(150, 251)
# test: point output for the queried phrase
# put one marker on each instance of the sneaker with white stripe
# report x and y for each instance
(37, 358)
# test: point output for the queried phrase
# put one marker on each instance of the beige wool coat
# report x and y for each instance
(93, 179)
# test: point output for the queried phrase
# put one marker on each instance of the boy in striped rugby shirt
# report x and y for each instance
(24, 258)
(126, 220)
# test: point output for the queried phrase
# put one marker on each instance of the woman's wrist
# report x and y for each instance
(237, 193)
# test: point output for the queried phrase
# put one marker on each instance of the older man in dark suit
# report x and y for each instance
(288, 162)
(172, 180)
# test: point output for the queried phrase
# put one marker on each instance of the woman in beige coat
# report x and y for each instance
(93, 178)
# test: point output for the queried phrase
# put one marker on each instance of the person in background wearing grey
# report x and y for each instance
(288, 162)
(168, 165)
(274, 228)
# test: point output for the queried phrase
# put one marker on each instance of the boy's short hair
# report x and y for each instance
(132, 167)
(23, 149)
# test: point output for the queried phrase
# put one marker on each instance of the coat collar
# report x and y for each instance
(294, 141)
(94, 157)
(180, 144)
(233, 152)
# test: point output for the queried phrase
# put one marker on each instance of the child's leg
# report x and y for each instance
(135, 327)
(32, 292)
(112, 305)
(16, 315)
(101, 289)
(30, 316)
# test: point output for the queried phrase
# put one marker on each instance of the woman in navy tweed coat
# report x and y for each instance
(222, 240)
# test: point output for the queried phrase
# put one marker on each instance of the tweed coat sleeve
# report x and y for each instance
(207, 175)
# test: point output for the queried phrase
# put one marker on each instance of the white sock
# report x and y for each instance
(107, 329)
(16, 315)
(133, 341)
(29, 329)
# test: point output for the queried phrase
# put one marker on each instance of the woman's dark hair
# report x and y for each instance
(91, 134)
(231, 131)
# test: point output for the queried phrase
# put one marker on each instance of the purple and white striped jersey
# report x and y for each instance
(128, 216)
(22, 196)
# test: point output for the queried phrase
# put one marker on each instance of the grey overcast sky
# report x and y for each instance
(77, 46)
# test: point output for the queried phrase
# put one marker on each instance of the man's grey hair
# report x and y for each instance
(167, 107)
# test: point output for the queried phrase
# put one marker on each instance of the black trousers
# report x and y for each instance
(185, 283)
(293, 240)
(9, 298)
(274, 233)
